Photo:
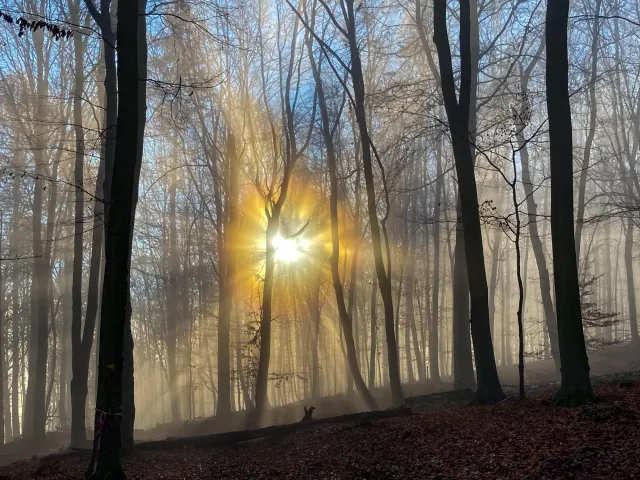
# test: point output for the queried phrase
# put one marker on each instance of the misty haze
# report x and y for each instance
(347, 239)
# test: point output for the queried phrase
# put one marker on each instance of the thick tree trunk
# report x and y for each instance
(119, 235)
(463, 374)
(575, 385)
(128, 393)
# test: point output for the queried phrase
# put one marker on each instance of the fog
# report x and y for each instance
(327, 212)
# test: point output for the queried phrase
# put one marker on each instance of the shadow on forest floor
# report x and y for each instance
(523, 440)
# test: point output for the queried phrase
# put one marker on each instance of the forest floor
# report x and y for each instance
(516, 439)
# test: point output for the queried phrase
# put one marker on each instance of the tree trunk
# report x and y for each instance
(173, 294)
(35, 410)
(262, 377)
(79, 353)
(489, 389)
(371, 382)
(575, 385)
(463, 374)
(16, 269)
(3, 377)
(345, 317)
(410, 317)
(384, 279)
(536, 242)
(631, 289)
(593, 112)
(493, 281)
(226, 299)
(128, 393)
(119, 235)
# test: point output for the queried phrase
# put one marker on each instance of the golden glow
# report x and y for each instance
(287, 249)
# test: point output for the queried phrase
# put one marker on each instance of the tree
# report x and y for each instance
(532, 210)
(273, 211)
(81, 342)
(384, 279)
(345, 317)
(105, 462)
(575, 387)
(489, 389)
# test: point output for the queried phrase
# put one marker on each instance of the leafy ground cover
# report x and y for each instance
(515, 439)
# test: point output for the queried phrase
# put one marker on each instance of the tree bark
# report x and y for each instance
(345, 317)
(489, 389)
(173, 293)
(384, 279)
(16, 270)
(593, 113)
(532, 210)
(631, 289)
(371, 382)
(80, 341)
(35, 408)
(105, 462)
(575, 387)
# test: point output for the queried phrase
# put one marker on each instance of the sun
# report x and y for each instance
(287, 249)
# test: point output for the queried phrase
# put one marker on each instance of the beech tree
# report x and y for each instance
(489, 389)
(576, 384)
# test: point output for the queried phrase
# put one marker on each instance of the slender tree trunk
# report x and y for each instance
(631, 289)
(65, 363)
(507, 306)
(433, 321)
(384, 279)
(410, 327)
(80, 348)
(345, 317)
(371, 383)
(173, 294)
(536, 242)
(489, 389)
(226, 300)
(16, 269)
(493, 281)
(608, 337)
(3, 375)
(35, 409)
(593, 112)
